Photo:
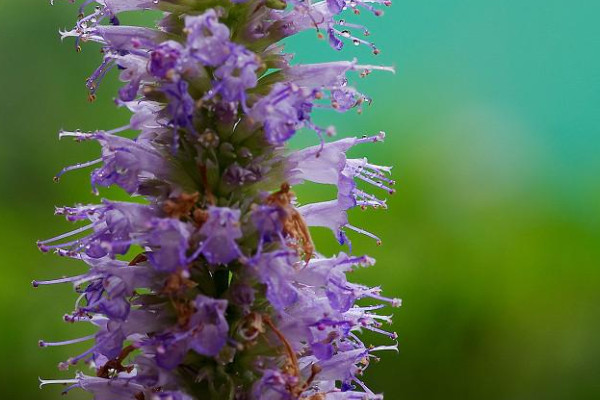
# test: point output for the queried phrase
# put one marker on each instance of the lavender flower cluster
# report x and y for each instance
(210, 287)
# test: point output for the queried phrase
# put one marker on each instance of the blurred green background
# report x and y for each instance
(492, 239)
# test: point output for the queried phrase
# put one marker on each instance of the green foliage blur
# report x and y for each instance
(492, 238)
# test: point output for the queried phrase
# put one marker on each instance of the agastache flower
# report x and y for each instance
(207, 284)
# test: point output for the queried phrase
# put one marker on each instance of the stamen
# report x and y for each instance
(44, 382)
(66, 235)
(45, 248)
(342, 22)
(355, 40)
(385, 318)
(366, 233)
(366, 199)
(376, 184)
(81, 136)
(375, 67)
(43, 343)
(394, 302)
(385, 348)
(84, 5)
(76, 318)
(391, 335)
(371, 139)
(76, 359)
(36, 283)
(79, 299)
(373, 171)
(368, 7)
(76, 166)
(369, 308)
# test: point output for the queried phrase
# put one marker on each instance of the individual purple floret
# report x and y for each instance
(236, 75)
(209, 334)
(219, 233)
(208, 40)
(206, 283)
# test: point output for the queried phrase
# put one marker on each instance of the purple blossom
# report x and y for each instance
(170, 350)
(274, 270)
(268, 221)
(285, 110)
(112, 227)
(169, 239)
(180, 105)
(220, 232)
(236, 75)
(209, 326)
(103, 389)
(328, 165)
(222, 274)
(164, 59)
(207, 38)
(127, 163)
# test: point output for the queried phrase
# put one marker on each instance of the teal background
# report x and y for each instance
(492, 239)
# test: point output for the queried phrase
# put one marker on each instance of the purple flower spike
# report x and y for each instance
(206, 283)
